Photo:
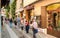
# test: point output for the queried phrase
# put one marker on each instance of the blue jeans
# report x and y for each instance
(34, 32)
(27, 29)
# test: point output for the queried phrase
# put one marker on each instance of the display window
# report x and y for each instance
(54, 16)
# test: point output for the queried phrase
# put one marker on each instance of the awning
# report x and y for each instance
(29, 7)
(53, 6)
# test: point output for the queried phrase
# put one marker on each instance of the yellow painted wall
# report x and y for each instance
(37, 10)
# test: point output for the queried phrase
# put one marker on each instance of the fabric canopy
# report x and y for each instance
(53, 7)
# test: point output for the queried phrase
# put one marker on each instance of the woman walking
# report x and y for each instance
(27, 26)
(34, 27)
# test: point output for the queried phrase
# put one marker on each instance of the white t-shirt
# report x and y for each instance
(35, 25)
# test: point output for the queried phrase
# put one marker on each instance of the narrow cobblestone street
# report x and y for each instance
(20, 34)
(23, 34)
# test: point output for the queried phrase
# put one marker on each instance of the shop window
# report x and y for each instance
(54, 16)
(54, 19)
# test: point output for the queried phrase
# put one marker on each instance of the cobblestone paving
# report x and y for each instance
(4, 33)
(20, 35)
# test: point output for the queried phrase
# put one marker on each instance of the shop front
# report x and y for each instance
(29, 12)
(53, 11)
(49, 15)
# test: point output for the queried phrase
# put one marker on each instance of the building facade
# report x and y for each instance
(19, 7)
(47, 13)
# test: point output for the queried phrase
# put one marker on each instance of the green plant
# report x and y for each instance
(13, 6)
(7, 9)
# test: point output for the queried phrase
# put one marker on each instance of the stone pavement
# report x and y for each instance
(11, 32)
(22, 34)
(4, 33)
(18, 33)
(42, 35)
(30, 34)
(0, 34)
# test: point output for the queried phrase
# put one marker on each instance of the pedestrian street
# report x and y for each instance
(18, 33)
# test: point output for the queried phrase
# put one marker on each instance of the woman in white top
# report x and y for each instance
(35, 24)
(35, 28)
